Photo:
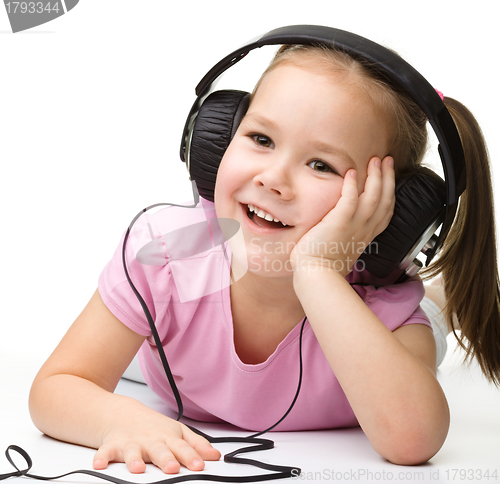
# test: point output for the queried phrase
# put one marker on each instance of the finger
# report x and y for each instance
(350, 186)
(348, 201)
(389, 178)
(132, 455)
(185, 454)
(200, 444)
(162, 457)
(388, 198)
(370, 198)
(104, 455)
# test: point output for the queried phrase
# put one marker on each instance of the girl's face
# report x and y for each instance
(303, 131)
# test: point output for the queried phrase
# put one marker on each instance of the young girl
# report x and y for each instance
(312, 163)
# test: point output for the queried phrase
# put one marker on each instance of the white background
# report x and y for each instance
(91, 114)
(92, 110)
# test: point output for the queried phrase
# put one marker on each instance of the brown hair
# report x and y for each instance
(468, 259)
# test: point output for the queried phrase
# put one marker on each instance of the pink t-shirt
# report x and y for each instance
(183, 275)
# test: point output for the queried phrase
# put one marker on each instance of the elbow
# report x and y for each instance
(34, 405)
(410, 454)
(415, 445)
(41, 403)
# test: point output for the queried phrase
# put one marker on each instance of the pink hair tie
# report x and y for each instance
(441, 95)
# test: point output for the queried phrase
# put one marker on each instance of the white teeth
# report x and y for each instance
(263, 214)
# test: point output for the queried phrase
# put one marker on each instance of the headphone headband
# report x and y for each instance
(396, 68)
(392, 66)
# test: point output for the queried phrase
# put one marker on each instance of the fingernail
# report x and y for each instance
(391, 163)
(171, 465)
(198, 463)
(353, 173)
(377, 162)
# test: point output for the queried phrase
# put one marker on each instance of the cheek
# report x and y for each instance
(223, 172)
(222, 192)
(229, 180)
(322, 200)
(235, 168)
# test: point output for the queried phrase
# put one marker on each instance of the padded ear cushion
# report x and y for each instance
(420, 199)
(215, 126)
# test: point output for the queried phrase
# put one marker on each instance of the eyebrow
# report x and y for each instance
(260, 120)
(332, 150)
(320, 146)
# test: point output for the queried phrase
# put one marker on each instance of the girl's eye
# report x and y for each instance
(262, 140)
(318, 165)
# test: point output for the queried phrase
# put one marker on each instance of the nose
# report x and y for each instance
(275, 179)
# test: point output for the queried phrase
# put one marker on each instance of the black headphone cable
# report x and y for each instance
(258, 444)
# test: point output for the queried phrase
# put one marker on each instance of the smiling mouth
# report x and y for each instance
(263, 219)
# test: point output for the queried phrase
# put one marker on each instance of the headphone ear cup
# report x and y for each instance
(420, 200)
(217, 121)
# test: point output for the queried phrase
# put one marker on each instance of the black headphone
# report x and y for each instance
(424, 201)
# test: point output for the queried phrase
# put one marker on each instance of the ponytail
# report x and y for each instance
(468, 260)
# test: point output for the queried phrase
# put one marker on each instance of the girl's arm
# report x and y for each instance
(72, 400)
(388, 377)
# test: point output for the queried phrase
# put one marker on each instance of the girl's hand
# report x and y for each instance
(154, 438)
(72, 399)
(342, 235)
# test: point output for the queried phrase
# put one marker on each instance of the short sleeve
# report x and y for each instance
(152, 281)
(395, 305)
(157, 248)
